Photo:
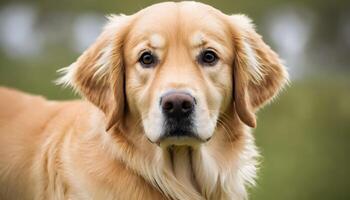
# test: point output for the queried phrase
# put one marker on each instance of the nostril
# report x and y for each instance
(168, 106)
(186, 106)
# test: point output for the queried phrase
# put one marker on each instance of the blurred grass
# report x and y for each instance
(37, 76)
(304, 139)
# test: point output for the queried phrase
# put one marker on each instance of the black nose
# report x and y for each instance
(177, 105)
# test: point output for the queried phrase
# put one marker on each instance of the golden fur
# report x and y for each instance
(103, 147)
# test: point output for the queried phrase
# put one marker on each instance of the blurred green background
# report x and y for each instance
(304, 136)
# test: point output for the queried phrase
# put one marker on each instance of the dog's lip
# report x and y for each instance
(180, 141)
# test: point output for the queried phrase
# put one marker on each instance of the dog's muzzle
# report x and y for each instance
(178, 110)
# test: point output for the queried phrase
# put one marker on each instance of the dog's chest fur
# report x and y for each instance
(218, 170)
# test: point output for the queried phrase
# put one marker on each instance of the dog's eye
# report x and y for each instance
(208, 57)
(147, 60)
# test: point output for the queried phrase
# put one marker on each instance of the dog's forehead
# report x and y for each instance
(192, 21)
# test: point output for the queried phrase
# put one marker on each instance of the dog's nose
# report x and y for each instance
(177, 104)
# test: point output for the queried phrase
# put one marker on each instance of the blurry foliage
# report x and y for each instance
(303, 135)
(131, 6)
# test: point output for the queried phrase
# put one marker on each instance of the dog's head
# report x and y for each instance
(178, 67)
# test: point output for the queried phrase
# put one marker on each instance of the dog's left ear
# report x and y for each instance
(258, 72)
(98, 74)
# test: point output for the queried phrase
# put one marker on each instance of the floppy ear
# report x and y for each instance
(98, 74)
(258, 72)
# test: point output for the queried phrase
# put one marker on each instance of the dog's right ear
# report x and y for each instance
(98, 74)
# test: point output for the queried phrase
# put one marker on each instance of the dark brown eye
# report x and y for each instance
(208, 57)
(147, 60)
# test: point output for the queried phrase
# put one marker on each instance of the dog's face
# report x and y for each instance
(178, 67)
(178, 72)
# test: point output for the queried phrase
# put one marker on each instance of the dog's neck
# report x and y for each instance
(197, 173)
(181, 163)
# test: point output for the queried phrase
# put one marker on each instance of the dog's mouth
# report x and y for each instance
(179, 133)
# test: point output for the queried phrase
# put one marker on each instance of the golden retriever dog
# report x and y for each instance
(170, 95)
